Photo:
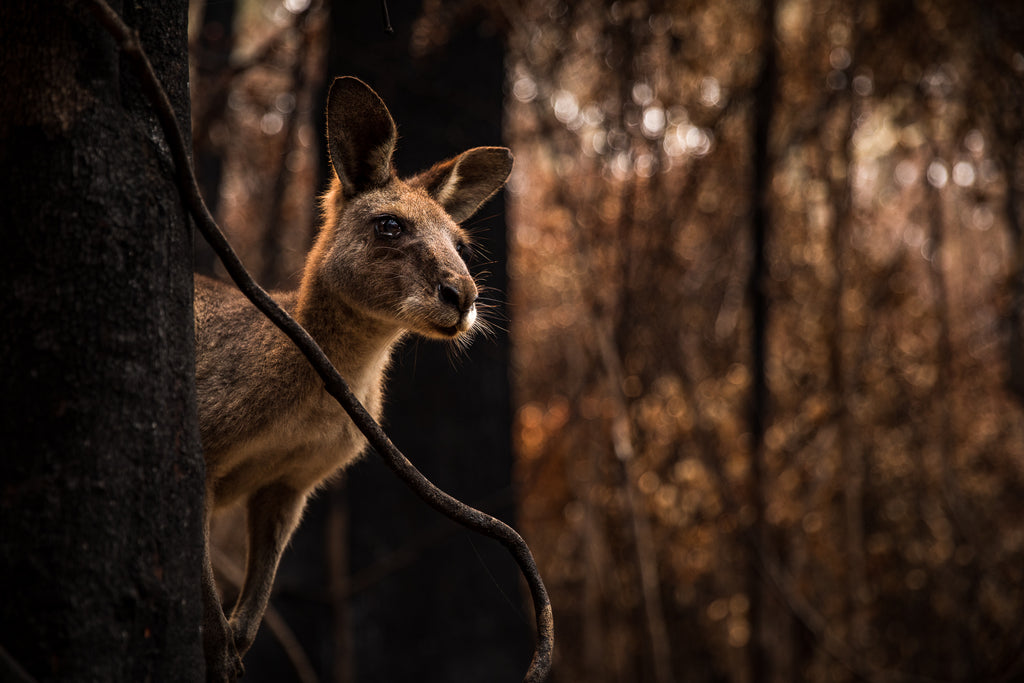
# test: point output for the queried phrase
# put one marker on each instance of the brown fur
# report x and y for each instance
(270, 432)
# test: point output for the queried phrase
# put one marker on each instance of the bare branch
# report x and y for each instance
(386, 16)
(646, 555)
(334, 383)
(11, 670)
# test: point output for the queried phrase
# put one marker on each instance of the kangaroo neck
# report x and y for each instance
(355, 342)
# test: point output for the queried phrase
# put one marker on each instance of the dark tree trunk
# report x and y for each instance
(214, 44)
(101, 498)
(455, 607)
(764, 109)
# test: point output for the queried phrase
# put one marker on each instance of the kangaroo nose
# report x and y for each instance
(460, 298)
(450, 295)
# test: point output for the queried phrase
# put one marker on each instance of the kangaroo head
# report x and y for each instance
(391, 248)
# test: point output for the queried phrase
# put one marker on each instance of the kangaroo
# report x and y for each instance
(389, 259)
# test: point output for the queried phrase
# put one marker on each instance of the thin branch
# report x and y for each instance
(11, 670)
(469, 517)
(386, 16)
(646, 555)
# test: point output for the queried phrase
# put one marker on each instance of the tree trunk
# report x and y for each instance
(215, 42)
(101, 505)
(764, 111)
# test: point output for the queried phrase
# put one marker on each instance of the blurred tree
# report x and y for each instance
(101, 510)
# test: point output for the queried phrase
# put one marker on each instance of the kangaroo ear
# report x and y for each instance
(462, 184)
(361, 136)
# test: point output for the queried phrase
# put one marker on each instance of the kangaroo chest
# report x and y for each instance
(300, 445)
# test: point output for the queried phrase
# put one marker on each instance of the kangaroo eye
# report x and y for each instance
(388, 227)
(464, 251)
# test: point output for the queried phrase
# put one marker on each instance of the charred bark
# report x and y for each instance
(101, 506)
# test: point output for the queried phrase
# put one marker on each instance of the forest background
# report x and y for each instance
(757, 363)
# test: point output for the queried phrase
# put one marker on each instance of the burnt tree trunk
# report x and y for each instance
(100, 473)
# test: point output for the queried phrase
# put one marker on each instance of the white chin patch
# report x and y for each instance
(471, 316)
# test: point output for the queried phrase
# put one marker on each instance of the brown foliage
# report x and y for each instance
(886, 517)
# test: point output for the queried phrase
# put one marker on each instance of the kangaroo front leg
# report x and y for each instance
(273, 514)
(223, 665)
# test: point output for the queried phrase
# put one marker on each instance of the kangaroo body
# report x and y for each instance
(389, 260)
(284, 428)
